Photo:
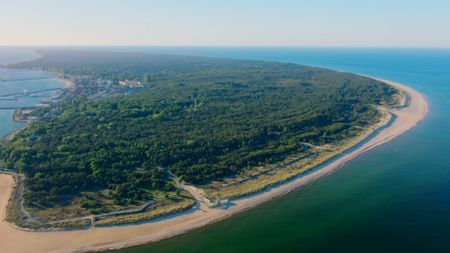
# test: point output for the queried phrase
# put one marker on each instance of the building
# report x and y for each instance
(131, 84)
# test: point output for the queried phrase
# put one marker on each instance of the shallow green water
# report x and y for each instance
(395, 198)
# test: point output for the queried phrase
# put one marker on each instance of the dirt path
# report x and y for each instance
(15, 241)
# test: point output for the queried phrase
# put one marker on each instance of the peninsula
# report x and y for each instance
(199, 140)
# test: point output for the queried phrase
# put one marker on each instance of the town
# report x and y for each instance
(81, 87)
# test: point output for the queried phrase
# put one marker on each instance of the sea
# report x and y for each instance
(21, 88)
(395, 198)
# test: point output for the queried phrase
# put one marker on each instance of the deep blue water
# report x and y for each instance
(395, 198)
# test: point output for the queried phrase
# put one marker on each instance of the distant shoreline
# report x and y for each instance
(118, 237)
(8, 136)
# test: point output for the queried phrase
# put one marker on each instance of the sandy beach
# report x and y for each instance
(17, 241)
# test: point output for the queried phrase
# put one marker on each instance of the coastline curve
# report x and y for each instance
(98, 239)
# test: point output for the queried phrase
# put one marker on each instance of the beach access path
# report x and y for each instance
(17, 241)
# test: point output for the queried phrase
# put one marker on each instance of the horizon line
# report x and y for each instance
(228, 46)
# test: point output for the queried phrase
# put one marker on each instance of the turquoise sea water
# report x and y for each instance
(395, 198)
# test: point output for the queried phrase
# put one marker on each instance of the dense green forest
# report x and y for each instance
(201, 118)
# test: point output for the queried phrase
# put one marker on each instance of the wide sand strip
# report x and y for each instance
(17, 241)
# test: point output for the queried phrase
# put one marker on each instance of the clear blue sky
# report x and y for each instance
(365, 23)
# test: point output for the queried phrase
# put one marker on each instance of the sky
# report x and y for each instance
(294, 23)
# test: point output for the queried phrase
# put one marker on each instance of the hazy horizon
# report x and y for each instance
(90, 46)
(201, 23)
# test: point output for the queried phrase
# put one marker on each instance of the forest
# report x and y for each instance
(200, 118)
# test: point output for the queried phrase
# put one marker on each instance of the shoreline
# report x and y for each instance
(98, 239)
(9, 136)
